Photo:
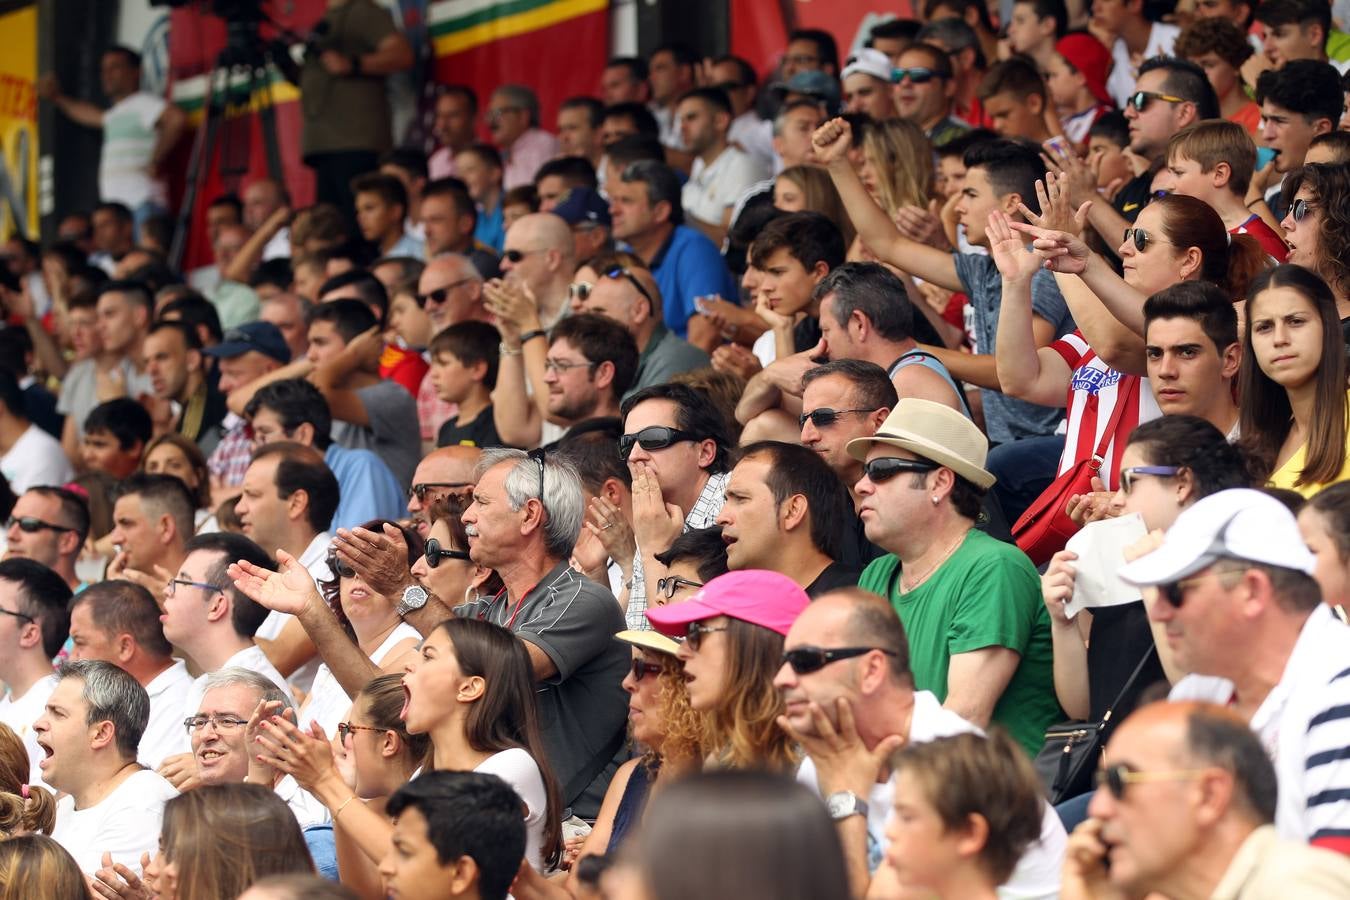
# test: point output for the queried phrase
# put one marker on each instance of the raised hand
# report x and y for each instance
(115, 881)
(290, 590)
(612, 529)
(655, 522)
(258, 771)
(1057, 212)
(832, 140)
(1014, 263)
(1077, 176)
(736, 360)
(768, 316)
(306, 757)
(180, 770)
(922, 225)
(1061, 251)
(381, 559)
(513, 305)
(843, 762)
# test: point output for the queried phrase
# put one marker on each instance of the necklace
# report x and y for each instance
(934, 567)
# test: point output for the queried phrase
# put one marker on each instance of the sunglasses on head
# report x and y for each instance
(805, 660)
(916, 74)
(617, 272)
(435, 553)
(1141, 99)
(440, 295)
(1300, 209)
(642, 668)
(32, 524)
(1114, 778)
(1141, 238)
(340, 568)
(825, 417)
(884, 468)
(653, 437)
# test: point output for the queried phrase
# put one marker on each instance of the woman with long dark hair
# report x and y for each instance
(1317, 228)
(1292, 390)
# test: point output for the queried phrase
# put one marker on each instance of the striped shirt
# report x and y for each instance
(1094, 390)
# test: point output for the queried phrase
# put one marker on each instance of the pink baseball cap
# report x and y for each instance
(757, 596)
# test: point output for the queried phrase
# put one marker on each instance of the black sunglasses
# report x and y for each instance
(421, 489)
(515, 256)
(642, 668)
(1141, 238)
(340, 568)
(435, 553)
(825, 417)
(439, 295)
(693, 634)
(805, 660)
(653, 437)
(537, 455)
(884, 468)
(620, 272)
(1300, 209)
(32, 524)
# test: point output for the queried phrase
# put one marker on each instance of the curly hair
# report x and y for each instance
(682, 742)
(742, 730)
(1330, 187)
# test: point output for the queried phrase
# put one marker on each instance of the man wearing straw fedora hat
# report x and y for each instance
(970, 604)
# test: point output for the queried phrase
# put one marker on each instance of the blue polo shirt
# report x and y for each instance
(688, 266)
(367, 489)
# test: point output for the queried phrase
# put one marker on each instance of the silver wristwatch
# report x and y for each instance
(843, 804)
(414, 598)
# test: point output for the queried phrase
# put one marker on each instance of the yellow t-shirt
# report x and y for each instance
(1287, 474)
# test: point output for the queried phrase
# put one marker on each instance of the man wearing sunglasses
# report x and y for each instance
(971, 604)
(451, 291)
(34, 625)
(1241, 612)
(847, 655)
(924, 92)
(628, 294)
(49, 525)
(1184, 809)
(443, 471)
(841, 401)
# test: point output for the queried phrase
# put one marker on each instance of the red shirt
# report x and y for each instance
(1270, 242)
(404, 366)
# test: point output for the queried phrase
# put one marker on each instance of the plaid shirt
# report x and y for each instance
(432, 411)
(703, 515)
(230, 459)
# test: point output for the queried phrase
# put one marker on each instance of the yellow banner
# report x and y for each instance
(18, 124)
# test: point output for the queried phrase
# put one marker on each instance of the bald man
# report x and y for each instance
(448, 470)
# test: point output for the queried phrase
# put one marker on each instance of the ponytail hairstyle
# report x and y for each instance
(23, 807)
(1265, 413)
(1230, 261)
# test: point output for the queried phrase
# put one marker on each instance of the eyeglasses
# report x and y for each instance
(884, 468)
(441, 294)
(667, 586)
(172, 587)
(579, 291)
(1129, 476)
(1141, 99)
(515, 256)
(562, 366)
(653, 437)
(32, 524)
(1114, 778)
(1175, 592)
(220, 723)
(421, 489)
(642, 668)
(621, 272)
(916, 75)
(1142, 238)
(347, 729)
(805, 660)
(693, 635)
(825, 417)
(435, 553)
(18, 615)
(1298, 211)
(340, 568)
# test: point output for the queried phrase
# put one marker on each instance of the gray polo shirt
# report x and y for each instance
(665, 356)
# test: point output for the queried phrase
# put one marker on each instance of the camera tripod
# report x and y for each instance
(244, 50)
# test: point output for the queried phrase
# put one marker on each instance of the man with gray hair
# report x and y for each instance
(523, 522)
(513, 119)
(89, 734)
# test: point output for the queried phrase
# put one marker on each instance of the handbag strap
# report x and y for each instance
(1122, 403)
(1129, 682)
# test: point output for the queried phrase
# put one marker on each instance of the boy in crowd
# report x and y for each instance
(464, 371)
(381, 210)
(1035, 26)
(1013, 97)
(1213, 161)
(1298, 102)
(1221, 48)
(115, 435)
(1075, 82)
(794, 252)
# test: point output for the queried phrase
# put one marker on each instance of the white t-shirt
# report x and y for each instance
(35, 459)
(1038, 871)
(328, 702)
(1123, 73)
(128, 147)
(125, 824)
(79, 389)
(518, 769)
(164, 732)
(20, 713)
(714, 189)
(754, 135)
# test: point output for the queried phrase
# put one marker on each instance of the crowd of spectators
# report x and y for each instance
(920, 471)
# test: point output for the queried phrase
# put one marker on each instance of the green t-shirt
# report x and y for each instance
(987, 594)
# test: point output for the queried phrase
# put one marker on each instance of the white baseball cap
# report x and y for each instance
(1236, 524)
(869, 62)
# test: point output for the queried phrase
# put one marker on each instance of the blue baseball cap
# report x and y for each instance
(264, 337)
(582, 206)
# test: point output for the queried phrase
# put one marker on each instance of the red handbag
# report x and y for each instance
(1045, 528)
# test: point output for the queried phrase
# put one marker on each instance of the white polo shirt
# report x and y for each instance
(1304, 724)
(714, 188)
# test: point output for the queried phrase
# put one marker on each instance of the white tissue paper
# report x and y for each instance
(1101, 552)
